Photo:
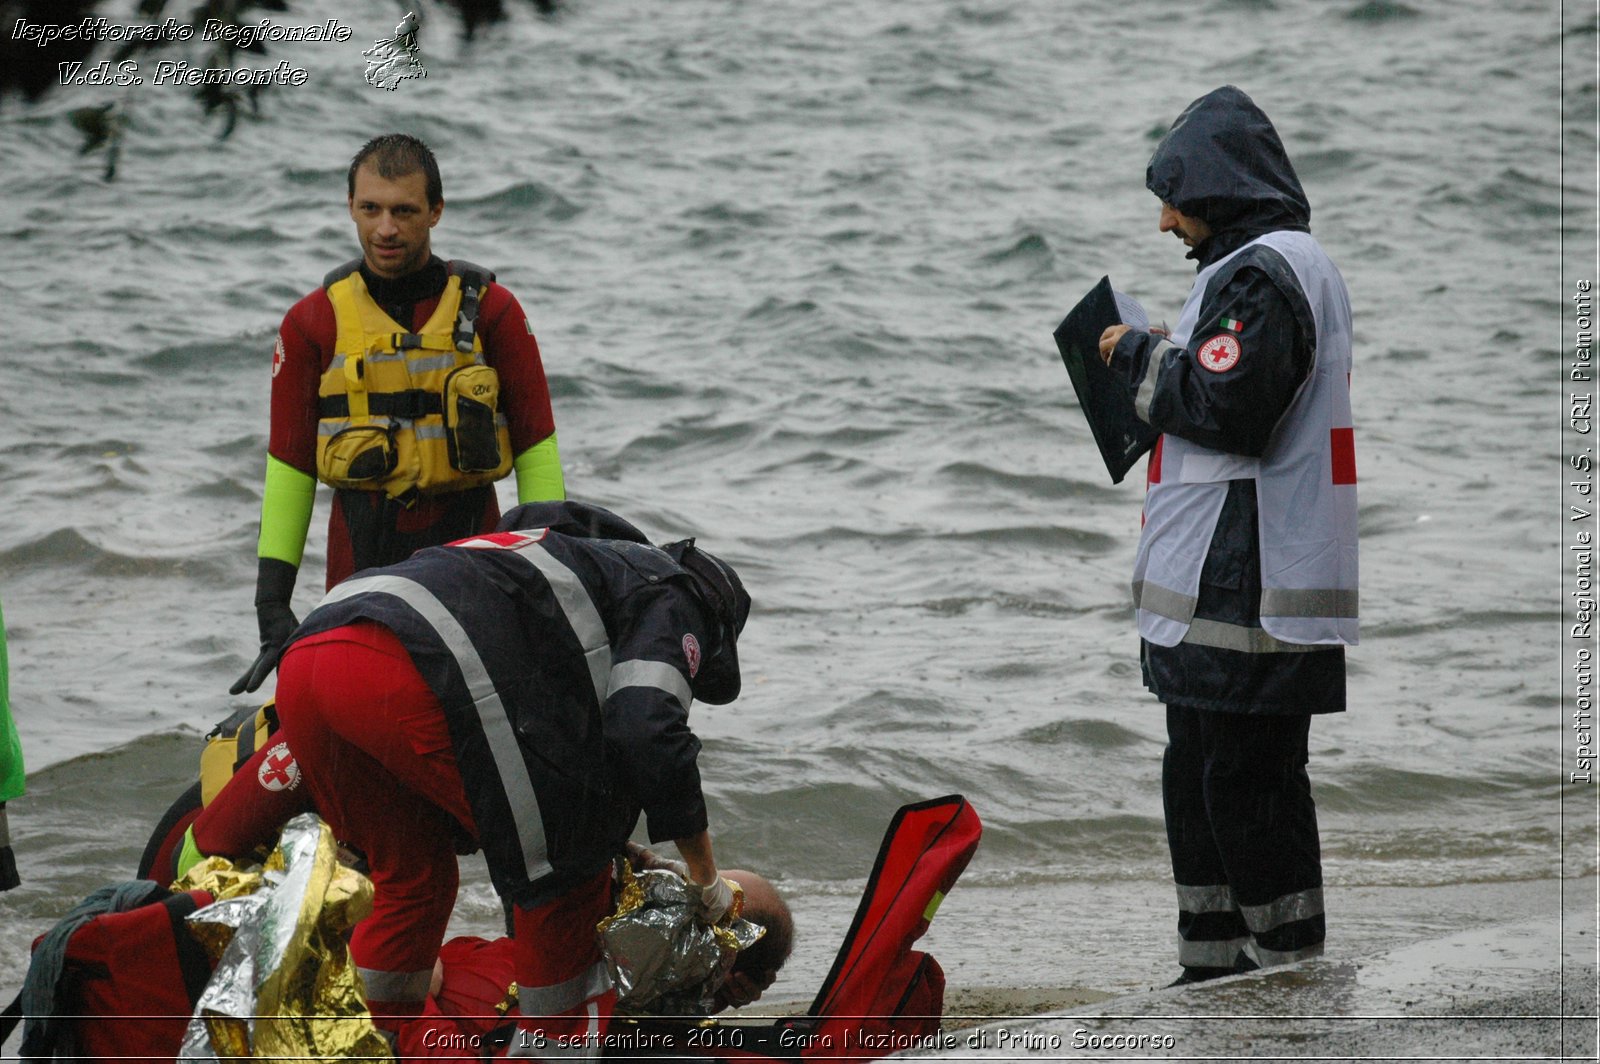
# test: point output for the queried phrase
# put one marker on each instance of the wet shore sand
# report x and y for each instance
(1523, 989)
(1444, 973)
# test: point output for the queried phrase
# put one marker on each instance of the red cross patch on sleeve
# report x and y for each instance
(1220, 353)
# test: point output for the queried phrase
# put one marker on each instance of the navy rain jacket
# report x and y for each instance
(522, 705)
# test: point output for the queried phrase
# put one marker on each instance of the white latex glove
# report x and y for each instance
(712, 899)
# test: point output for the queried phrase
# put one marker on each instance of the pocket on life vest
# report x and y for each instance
(357, 457)
(471, 397)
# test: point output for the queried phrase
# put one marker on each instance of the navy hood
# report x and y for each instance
(1222, 162)
(569, 518)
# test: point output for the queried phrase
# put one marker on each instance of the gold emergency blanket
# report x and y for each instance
(662, 960)
(284, 986)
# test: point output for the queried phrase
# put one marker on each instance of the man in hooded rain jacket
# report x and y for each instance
(1245, 577)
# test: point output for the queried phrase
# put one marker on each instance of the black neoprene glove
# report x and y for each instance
(274, 586)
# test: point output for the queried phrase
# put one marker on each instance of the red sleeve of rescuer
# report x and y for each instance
(305, 346)
(509, 346)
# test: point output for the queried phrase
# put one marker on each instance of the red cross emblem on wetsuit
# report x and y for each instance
(278, 770)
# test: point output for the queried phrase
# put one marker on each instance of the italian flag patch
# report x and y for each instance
(1232, 323)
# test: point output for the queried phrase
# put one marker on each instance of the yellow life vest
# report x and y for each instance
(409, 413)
(231, 743)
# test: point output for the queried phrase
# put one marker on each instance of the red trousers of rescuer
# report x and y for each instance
(369, 751)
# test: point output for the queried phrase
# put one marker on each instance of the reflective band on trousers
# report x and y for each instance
(1215, 953)
(657, 674)
(395, 986)
(492, 714)
(1269, 958)
(1211, 899)
(558, 998)
(536, 1045)
(1301, 905)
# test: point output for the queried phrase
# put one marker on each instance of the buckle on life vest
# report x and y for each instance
(406, 341)
(409, 405)
(467, 317)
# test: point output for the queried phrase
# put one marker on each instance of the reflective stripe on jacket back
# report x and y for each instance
(510, 631)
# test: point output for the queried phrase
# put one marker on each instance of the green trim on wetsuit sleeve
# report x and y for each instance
(189, 854)
(539, 473)
(285, 512)
(12, 776)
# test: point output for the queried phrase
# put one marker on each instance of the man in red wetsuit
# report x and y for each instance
(406, 383)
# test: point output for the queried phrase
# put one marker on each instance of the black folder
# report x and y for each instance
(1106, 401)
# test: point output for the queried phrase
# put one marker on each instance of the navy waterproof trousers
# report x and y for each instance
(1242, 829)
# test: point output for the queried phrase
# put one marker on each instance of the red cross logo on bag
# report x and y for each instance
(278, 771)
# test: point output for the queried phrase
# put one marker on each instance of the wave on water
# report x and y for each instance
(993, 479)
(72, 550)
(1381, 11)
(523, 200)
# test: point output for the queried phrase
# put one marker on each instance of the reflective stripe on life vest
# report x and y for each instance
(1310, 601)
(1247, 639)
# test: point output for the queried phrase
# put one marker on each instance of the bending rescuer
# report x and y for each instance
(1245, 577)
(526, 692)
(406, 383)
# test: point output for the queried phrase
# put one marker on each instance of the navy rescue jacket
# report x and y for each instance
(563, 665)
(1224, 163)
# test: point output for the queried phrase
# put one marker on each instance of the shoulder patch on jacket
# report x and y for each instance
(1220, 353)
